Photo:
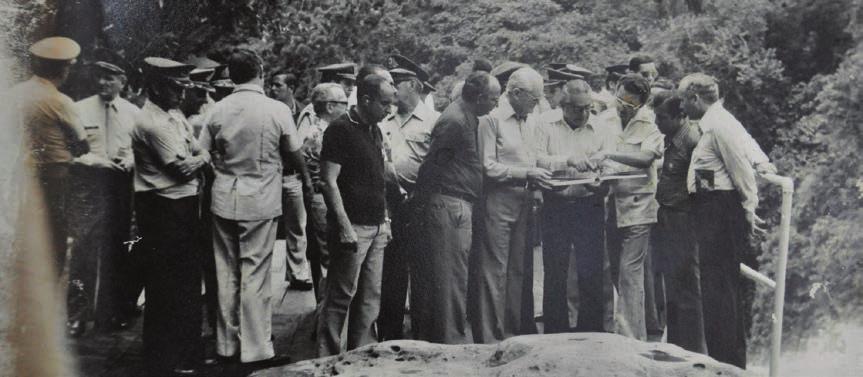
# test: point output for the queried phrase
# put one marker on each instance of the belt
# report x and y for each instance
(455, 194)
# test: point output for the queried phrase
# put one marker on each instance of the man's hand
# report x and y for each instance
(347, 235)
(96, 161)
(188, 166)
(755, 223)
(766, 167)
(580, 162)
(540, 177)
(597, 159)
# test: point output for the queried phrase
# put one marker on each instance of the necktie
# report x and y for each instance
(106, 133)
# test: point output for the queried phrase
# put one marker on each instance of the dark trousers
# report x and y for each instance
(573, 226)
(677, 260)
(172, 277)
(439, 269)
(394, 283)
(100, 207)
(721, 233)
(53, 181)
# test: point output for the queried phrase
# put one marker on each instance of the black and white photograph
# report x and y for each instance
(526, 188)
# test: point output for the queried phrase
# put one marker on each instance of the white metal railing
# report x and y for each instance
(778, 286)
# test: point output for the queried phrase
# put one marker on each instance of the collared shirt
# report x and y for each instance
(311, 131)
(108, 125)
(358, 148)
(453, 164)
(634, 198)
(671, 191)
(159, 139)
(244, 132)
(508, 144)
(408, 139)
(724, 157)
(557, 141)
(51, 121)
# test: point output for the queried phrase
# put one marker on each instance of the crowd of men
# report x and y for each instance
(642, 195)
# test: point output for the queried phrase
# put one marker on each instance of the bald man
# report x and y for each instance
(502, 302)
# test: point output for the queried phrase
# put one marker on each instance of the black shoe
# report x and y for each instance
(301, 285)
(75, 329)
(274, 361)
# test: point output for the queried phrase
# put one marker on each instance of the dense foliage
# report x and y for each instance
(790, 70)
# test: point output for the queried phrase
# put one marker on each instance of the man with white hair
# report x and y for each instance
(722, 180)
(502, 307)
(329, 102)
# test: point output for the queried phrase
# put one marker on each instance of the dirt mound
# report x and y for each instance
(570, 355)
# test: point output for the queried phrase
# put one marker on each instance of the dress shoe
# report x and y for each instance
(301, 285)
(75, 329)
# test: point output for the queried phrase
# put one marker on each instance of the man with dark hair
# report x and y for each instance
(297, 271)
(101, 205)
(482, 64)
(676, 250)
(449, 183)
(407, 133)
(573, 218)
(721, 178)
(329, 102)
(168, 162)
(639, 146)
(354, 189)
(645, 66)
(251, 138)
(54, 136)
(501, 305)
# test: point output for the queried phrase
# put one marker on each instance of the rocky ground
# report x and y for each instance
(572, 355)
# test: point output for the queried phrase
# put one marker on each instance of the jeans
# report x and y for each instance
(353, 284)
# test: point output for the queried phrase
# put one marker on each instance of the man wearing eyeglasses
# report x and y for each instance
(639, 146)
(503, 303)
(328, 103)
(407, 133)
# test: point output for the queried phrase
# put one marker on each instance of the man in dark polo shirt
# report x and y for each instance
(354, 189)
(449, 182)
(676, 247)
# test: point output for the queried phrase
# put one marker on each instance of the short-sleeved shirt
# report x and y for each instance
(108, 125)
(634, 199)
(408, 140)
(557, 141)
(453, 163)
(51, 121)
(311, 132)
(243, 133)
(358, 148)
(671, 191)
(160, 138)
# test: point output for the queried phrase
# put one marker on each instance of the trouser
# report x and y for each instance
(53, 181)
(574, 225)
(677, 259)
(317, 252)
(294, 217)
(207, 255)
(100, 206)
(721, 233)
(172, 278)
(244, 254)
(654, 295)
(394, 282)
(353, 284)
(629, 258)
(501, 267)
(439, 269)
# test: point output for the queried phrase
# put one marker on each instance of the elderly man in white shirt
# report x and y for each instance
(722, 179)
(250, 137)
(502, 302)
(101, 204)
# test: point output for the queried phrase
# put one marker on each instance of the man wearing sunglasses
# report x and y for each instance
(639, 146)
(503, 307)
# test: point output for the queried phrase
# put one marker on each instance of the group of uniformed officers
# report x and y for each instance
(642, 197)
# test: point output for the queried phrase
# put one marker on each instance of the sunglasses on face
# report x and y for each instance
(627, 105)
